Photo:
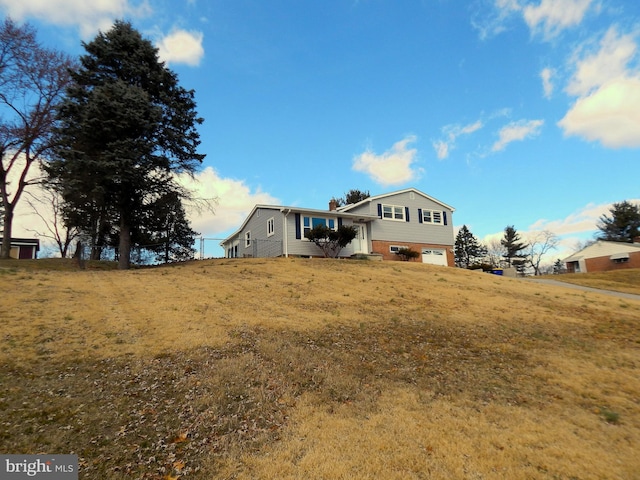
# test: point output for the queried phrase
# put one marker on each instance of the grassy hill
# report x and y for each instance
(626, 281)
(294, 368)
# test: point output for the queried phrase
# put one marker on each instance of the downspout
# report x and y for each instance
(285, 238)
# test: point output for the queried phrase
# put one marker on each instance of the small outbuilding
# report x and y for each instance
(24, 248)
(603, 256)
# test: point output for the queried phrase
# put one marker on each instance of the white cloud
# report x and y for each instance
(494, 23)
(547, 84)
(181, 46)
(553, 16)
(442, 149)
(234, 200)
(609, 62)
(581, 221)
(88, 16)
(607, 108)
(393, 167)
(546, 17)
(611, 115)
(452, 132)
(573, 229)
(517, 131)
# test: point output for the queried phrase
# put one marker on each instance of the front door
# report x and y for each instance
(360, 242)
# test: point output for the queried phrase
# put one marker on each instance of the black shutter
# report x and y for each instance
(298, 232)
(406, 213)
(339, 222)
(380, 210)
(419, 215)
(444, 217)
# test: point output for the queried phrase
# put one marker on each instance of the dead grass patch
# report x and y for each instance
(626, 281)
(318, 369)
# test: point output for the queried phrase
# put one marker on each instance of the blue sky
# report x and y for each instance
(515, 112)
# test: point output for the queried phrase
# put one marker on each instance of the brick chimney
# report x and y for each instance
(332, 205)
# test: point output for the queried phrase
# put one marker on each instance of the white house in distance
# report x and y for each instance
(603, 256)
(385, 223)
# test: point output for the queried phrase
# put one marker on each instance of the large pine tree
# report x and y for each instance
(467, 250)
(513, 245)
(125, 128)
(623, 225)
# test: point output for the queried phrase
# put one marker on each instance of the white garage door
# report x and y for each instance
(434, 256)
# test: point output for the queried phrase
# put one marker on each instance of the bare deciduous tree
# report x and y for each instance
(495, 252)
(540, 243)
(47, 205)
(32, 83)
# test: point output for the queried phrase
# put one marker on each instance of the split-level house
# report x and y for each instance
(385, 224)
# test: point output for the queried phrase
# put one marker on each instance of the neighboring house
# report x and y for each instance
(385, 223)
(24, 248)
(603, 256)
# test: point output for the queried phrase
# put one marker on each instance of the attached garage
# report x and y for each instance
(434, 256)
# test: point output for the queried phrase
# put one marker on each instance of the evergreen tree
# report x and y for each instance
(351, 197)
(166, 231)
(512, 244)
(125, 128)
(468, 250)
(623, 225)
(559, 267)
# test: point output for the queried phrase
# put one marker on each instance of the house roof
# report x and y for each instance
(603, 249)
(311, 211)
(31, 242)
(384, 195)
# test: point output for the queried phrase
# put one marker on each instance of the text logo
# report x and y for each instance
(46, 467)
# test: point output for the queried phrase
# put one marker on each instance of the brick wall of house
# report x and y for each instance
(382, 247)
(603, 264)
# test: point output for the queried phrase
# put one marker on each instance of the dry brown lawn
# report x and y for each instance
(626, 281)
(294, 368)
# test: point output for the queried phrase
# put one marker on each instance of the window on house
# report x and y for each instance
(396, 248)
(271, 227)
(393, 212)
(432, 216)
(247, 239)
(311, 222)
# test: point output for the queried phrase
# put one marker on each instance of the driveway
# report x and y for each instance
(629, 296)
